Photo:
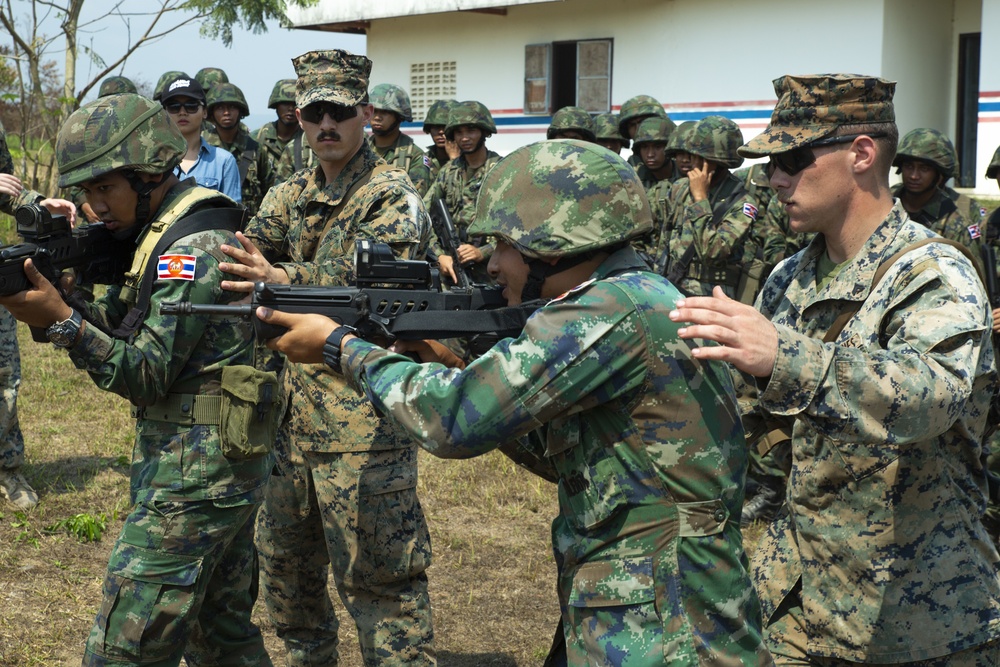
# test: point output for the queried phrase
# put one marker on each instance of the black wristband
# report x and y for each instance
(331, 350)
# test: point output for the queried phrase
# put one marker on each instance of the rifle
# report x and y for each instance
(450, 239)
(391, 299)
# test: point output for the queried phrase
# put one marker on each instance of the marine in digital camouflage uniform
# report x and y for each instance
(274, 136)
(711, 235)
(644, 439)
(926, 159)
(434, 123)
(883, 557)
(226, 106)
(344, 493)
(392, 107)
(459, 181)
(182, 576)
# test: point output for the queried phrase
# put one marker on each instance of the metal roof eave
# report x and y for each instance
(355, 16)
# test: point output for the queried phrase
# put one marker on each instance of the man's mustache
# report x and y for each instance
(323, 136)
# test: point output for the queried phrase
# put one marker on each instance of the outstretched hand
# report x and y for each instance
(746, 339)
(307, 333)
(252, 266)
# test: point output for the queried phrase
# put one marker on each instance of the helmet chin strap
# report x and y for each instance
(540, 270)
(144, 189)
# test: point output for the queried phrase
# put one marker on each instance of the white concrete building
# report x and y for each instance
(525, 59)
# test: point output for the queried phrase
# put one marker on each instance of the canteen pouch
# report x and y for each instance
(250, 415)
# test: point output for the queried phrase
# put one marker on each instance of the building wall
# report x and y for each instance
(989, 95)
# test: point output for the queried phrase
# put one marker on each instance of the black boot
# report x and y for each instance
(766, 504)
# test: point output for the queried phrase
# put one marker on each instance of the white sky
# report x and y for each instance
(253, 62)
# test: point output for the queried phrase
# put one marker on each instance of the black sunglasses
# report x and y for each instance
(339, 113)
(793, 161)
(175, 107)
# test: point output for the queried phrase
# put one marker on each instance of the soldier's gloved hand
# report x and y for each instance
(252, 266)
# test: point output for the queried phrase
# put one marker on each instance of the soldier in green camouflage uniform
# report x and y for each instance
(434, 124)
(274, 136)
(571, 123)
(470, 124)
(182, 576)
(226, 106)
(632, 113)
(926, 160)
(116, 84)
(644, 439)
(883, 557)
(344, 493)
(13, 484)
(606, 133)
(650, 144)
(992, 233)
(392, 107)
(710, 235)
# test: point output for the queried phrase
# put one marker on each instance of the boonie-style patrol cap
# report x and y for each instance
(813, 106)
(335, 76)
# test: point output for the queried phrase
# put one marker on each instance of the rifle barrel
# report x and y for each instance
(186, 308)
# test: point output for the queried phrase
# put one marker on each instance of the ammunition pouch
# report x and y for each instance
(250, 412)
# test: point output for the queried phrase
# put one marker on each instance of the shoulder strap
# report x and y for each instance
(358, 183)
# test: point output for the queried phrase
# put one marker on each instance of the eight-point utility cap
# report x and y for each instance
(335, 76)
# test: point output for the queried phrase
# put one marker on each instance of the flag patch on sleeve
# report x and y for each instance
(973, 231)
(175, 267)
(749, 210)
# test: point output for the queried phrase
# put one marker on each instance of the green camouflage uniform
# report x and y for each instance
(256, 169)
(646, 440)
(437, 114)
(11, 438)
(883, 557)
(952, 215)
(404, 154)
(184, 562)
(296, 156)
(267, 137)
(345, 491)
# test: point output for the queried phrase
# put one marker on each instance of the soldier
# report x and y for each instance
(571, 123)
(632, 112)
(116, 84)
(650, 143)
(442, 151)
(470, 124)
(645, 441)
(277, 134)
(210, 76)
(345, 491)
(926, 159)
(392, 107)
(210, 166)
(184, 563)
(606, 133)
(13, 484)
(883, 557)
(226, 107)
(710, 236)
(166, 78)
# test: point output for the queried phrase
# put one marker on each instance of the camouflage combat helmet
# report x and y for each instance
(571, 118)
(928, 145)
(470, 113)
(393, 98)
(680, 138)
(116, 84)
(227, 92)
(209, 76)
(283, 92)
(166, 78)
(123, 131)
(553, 199)
(994, 167)
(606, 127)
(716, 138)
(639, 106)
(653, 129)
(438, 113)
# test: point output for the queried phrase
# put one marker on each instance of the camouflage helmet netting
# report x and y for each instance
(654, 129)
(210, 76)
(563, 197)
(571, 118)
(638, 107)
(393, 98)
(470, 113)
(283, 92)
(227, 92)
(117, 132)
(437, 114)
(929, 145)
(718, 139)
(116, 84)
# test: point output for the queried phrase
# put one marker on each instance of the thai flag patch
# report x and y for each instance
(749, 210)
(427, 161)
(175, 267)
(973, 231)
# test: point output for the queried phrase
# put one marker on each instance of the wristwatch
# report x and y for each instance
(63, 334)
(331, 350)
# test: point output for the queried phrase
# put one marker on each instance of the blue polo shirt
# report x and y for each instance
(216, 168)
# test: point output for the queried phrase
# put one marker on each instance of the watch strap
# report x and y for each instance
(331, 349)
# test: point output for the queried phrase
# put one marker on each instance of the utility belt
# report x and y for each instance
(715, 275)
(186, 409)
